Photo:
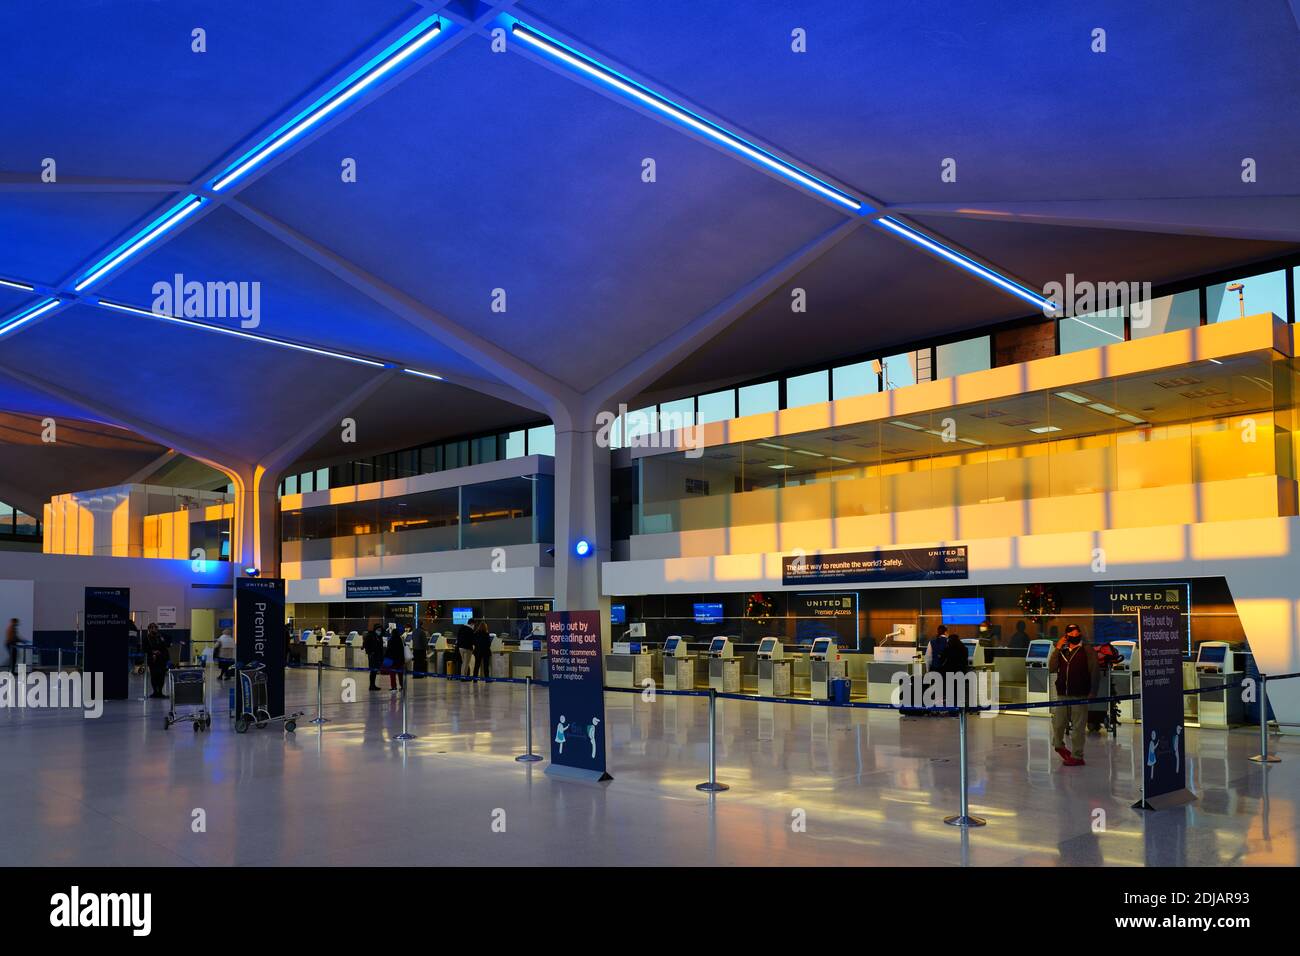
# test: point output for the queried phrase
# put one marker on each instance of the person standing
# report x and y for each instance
(373, 645)
(395, 661)
(419, 652)
(955, 660)
(11, 645)
(157, 658)
(1074, 662)
(482, 650)
(223, 652)
(465, 647)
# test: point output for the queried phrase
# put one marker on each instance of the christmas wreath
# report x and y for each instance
(1039, 601)
(758, 607)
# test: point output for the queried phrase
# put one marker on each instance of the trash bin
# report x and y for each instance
(840, 687)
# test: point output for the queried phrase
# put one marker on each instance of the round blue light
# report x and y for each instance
(582, 547)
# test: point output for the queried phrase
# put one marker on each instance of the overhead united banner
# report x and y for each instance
(870, 567)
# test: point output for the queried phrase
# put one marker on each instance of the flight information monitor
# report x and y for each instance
(962, 610)
(618, 614)
(461, 615)
(709, 613)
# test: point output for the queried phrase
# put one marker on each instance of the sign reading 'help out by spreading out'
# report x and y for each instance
(577, 693)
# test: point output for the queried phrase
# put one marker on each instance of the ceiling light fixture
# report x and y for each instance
(588, 67)
(967, 263)
(165, 223)
(1132, 419)
(416, 371)
(29, 314)
(768, 444)
(780, 467)
(23, 286)
(902, 424)
(241, 334)
(1103, 408)
(1073, 397)
(810, 454)
(381, 65)
(1044, 429)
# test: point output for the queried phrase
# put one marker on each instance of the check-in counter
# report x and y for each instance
(775, 673)
(343, 655)
(885, 663)
(528, 660)
(633, 670)
(316, 651)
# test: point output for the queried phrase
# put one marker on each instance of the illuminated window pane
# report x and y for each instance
(958, 358)
(857, 379)
(810, 389)
(1092, 330)
(541, 440)
(759, 399)
(1169, 313)
(718, 406)
(1261, 293)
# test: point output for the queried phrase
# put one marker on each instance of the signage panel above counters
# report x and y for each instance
(383, 588)
(869, 567)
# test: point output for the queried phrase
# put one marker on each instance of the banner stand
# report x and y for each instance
(1162, 632)
(577, 696)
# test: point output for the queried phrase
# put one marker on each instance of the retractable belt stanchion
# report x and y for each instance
(964, 819)
(711, 785)
(404, 735)
(528, 757)
(320, 718)
(1264, 756)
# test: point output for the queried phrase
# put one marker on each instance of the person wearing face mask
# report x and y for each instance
(1074, 662)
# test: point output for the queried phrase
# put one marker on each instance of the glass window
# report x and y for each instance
(515, 444)
(6, 519)
(291, 485)
(859, 378)
(1261, 293)
(958, 358)
(718, 406)
(900, 370)
(1169, 313)
(810, 389)
(758, 399)
(678, 414)
(1092, 330)
(322, 479)
(455, 454)
(484, 449)
(541, 440)
(497, 513)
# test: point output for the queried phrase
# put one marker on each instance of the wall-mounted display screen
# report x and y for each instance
(962, 610)
(708, 613)
(461, 615)
(618, 614)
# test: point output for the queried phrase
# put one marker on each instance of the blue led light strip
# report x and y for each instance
(661, 104)
(967, 263)
(23, 286)
(29, 314)
(378, 67)
(165, 223)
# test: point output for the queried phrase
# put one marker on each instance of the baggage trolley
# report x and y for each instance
(188, 687)
(252, 684)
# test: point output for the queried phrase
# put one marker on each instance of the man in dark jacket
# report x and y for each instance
(482, 650)
(395, 661)
(373, 645)
(158, 656)
(1074, 662)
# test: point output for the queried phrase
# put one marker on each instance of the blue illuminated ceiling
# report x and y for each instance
(479, 171)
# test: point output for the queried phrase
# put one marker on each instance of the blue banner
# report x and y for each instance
(1163, 635)
(869, 567)
(261, 637)
(577, 695)
(106, 623)
(381, 588)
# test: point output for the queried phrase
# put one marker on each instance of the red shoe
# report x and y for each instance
(1074, 761)
(1064, 751)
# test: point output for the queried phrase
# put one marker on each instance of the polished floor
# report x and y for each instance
(809, 786)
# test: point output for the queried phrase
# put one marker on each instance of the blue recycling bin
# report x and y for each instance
(840, 687)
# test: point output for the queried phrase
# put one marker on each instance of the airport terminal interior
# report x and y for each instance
(577, 433)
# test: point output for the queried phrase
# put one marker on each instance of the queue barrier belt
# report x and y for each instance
(804, 701)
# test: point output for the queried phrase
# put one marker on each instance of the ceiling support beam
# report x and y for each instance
(538, 389)
(1273, 218)
(25, 183)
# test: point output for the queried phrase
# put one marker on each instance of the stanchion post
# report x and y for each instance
(405, 734)
(1264, 756)
(711, 785)
(320, 717)
(964, 819)
(528, 757)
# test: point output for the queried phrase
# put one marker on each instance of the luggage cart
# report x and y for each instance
(188, 687)
(252, 684)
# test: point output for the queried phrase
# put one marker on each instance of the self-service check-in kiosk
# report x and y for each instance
(444, 651)
(974, 652)
(316, 648)
(824, 666)
(1216, 665)
(724, 668)
(1038, 682)
(679, 664)
(340, 654)
(774, 671)
(632, 663)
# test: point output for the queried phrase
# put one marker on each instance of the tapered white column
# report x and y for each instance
(581, 513)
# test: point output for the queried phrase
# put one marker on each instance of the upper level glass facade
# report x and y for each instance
(1202, 422)
(485, 514)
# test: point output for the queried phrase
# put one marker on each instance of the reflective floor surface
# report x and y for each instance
(809, 786)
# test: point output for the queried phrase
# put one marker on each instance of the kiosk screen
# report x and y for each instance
(1211, 654)
(717, 644)
(1038, 652)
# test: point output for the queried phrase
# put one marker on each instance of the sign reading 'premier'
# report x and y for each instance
(867, 567)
